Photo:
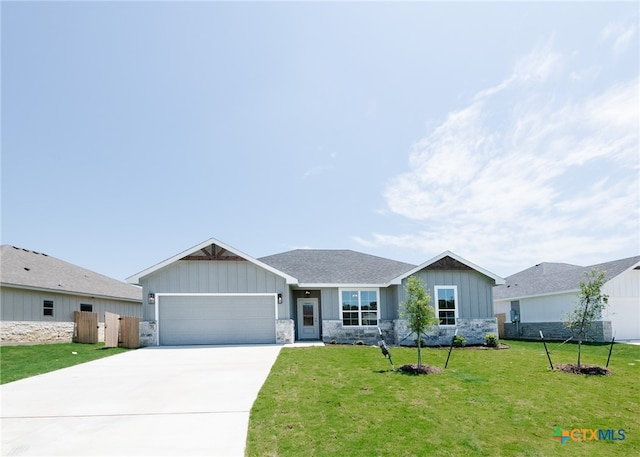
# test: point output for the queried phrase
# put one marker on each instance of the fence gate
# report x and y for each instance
(130, 332)
(501, 318)
(111, 330)
(85, 327)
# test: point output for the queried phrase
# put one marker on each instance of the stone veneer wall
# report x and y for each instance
(284, 331)
(600, 332)
(473, 331)
(40, 332)
(334, 331)
(397, 332)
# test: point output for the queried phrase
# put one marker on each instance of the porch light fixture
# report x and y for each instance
(279, 298)
(151, 298)
(307, 293)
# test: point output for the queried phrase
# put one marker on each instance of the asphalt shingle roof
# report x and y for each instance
(548, 278)
(331, 266)
(30, 269)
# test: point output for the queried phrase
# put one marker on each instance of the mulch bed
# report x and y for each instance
(584, 369)
(477, 346)
(424, 369)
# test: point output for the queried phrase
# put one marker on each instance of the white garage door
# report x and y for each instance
(216, 319)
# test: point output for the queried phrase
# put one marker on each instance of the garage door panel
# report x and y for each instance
(216, 320)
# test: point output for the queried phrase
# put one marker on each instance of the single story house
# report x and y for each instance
(39, 294)
(540, 297)
(213, 293)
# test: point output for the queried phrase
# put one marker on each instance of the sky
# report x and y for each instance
(505, 132)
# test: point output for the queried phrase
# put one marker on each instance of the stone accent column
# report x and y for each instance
(284, 331)
(148, 333)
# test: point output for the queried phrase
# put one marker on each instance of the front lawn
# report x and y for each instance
(344, 400)
(18, 362)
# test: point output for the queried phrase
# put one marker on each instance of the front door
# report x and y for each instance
(308, 328)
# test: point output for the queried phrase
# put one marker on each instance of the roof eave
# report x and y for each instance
(71, 292)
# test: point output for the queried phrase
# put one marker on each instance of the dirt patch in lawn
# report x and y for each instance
(424, 369)
(584, 369)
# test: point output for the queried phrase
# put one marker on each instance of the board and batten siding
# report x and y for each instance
(200, 276)
(27, 305)
(475, 291)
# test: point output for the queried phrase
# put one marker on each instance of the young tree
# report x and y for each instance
(591, 302)
(418, 311)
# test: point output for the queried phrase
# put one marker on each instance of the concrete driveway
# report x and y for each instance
(153, 401)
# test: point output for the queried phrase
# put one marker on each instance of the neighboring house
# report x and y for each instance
(39, 294)
(215, 294)
(540, 297)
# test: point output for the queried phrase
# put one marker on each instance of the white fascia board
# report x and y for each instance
(135, 279)
(498, 280)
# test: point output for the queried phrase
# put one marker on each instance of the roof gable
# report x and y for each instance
(448, 261)
(209, 250)
(550, 278)
(27, 269)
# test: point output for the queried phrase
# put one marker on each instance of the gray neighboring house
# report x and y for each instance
(540, 297)
(213, 293)
(39, 293)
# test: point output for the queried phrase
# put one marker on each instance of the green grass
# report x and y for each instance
(342, 400)
(18, 362)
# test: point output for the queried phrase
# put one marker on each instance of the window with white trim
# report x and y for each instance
(359, 307)
(446, 304)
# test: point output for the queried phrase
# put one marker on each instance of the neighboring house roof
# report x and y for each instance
(551, 278)
(331, 266)
(27, 269)
(211, 249)
(448, 260)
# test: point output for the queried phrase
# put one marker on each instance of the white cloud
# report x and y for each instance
(521, 173)
(622, 35)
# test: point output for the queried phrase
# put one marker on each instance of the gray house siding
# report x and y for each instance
(475, 291)
(22, 319)
(193, 276)
(27, 305)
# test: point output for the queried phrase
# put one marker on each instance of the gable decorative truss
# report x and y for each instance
(211, 250)
(448, 261)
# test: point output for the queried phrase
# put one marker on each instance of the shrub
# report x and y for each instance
(491, 340)
(359, 343)
(459, 341)
(333, 341)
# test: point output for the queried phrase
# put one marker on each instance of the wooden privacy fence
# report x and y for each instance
(121, 331)
(85, 329)
(501, 317)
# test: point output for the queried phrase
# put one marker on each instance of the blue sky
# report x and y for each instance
(506, 132)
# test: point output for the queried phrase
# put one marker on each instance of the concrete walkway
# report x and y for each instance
(178, 401)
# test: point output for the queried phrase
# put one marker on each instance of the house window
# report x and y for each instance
(359, 307)
(447, 304)
(85, 307)
(47, 308)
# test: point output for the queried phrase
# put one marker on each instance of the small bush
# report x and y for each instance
(491, 340)
(359, 343)
(423, 343)
(459, 341)
(333, 341)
